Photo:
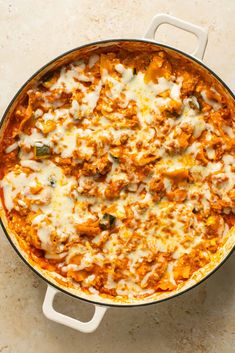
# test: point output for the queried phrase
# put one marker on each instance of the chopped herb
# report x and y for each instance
(114, 157)
(52, 181)
(115, 154)
(107, 221)
(41, 150)
(46, 79)
(193, 103)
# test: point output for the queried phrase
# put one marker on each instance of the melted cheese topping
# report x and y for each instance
(135, 191)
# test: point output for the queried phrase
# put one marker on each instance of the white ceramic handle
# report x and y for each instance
(54, 315)
(199, 32)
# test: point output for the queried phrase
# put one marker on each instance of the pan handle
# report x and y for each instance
(54, 315)
(199, 32)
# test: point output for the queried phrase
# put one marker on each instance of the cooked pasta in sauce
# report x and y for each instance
(118, 173)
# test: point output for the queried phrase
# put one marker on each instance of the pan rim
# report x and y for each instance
(63, 290)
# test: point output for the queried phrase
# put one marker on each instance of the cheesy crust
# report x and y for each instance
(117, 173)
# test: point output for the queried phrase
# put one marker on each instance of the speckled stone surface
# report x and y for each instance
(200, 321)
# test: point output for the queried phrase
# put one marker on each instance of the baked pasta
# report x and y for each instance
(117, 172)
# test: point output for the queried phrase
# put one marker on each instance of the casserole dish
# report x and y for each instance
(103, 302)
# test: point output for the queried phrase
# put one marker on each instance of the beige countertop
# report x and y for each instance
(200, 321)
